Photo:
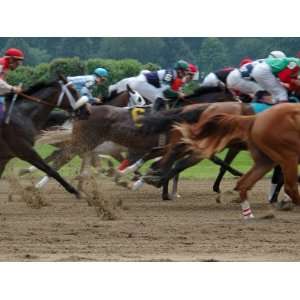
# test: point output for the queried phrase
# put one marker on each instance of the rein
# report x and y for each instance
(35, 99)
(64, 91)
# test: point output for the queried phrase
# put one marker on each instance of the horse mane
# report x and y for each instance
(216, 132)
(38, 86)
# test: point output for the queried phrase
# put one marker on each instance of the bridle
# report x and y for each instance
(64, 91)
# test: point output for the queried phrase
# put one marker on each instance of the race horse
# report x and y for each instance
(109, 123)
(272, 138)
(29, 115)
(177, 157)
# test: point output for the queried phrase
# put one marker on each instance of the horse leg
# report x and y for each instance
(246, 182)
(290, 172)
(276, 184)
(86, 163)
(230, 156)
(218, 161)
(175, 186)
(25, 152)
(53, 157)
(165, 192)
(139, 163)
(32, 169)
(180, 166)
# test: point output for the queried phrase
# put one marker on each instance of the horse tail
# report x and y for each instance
(216, 132)
(163, 121)
(53, 137)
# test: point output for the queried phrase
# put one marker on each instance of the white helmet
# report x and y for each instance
(277, 54)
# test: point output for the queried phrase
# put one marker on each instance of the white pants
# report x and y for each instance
(147, 90)
(236, 82)
(120, 86)
(211, 80)
(263, 75)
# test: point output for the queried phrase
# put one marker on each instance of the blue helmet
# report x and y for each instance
(101, 72)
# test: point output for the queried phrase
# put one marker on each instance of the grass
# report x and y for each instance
(205, 169)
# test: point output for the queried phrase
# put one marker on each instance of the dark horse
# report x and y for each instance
(30, 114)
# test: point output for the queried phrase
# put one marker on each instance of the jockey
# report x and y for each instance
(240, 80)
(267, 72)
(191, 80)
(161, 84)
(84, 85)
(12, 59)
(171, 82)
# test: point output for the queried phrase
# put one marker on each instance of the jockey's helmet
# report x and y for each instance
(277, 54)
(101, 72)
(181, 64)
(244, 61)
(15, 53)
(193, 69)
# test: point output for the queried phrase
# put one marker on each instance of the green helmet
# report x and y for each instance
(181, 64)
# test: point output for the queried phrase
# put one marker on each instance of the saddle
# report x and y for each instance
(259, 107)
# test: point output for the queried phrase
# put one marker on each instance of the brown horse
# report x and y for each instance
(109, 123)
(273, 138)
(177, 156)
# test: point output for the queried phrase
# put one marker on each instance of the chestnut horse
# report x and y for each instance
(273, 138)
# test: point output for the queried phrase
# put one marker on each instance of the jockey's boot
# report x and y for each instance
(158, 104)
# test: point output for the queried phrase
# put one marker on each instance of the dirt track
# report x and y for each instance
(192, 228)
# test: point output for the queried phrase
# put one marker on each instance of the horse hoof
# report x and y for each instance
(216, 189)
(285, 205)
(218, 199)
(249, 217)
(167, 198)
(76, 193)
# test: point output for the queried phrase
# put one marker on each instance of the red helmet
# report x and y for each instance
(15, 53)
(193, 69)
(246, 60)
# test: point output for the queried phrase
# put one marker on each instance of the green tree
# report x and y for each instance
(213, 54)
(67, 67)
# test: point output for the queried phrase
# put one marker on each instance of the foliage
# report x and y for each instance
(209, 53)
(67, 67)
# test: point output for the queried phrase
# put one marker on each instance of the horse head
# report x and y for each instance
(135, 98)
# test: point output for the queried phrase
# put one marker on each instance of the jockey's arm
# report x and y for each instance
(6, 88)
(86, 92)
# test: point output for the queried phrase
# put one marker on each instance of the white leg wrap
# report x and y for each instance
(246, 210)
(138, 184)
(132, 168)
(42, 182)
(272, 190)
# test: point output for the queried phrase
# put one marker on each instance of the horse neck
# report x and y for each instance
(38, 112)
(120, 100)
